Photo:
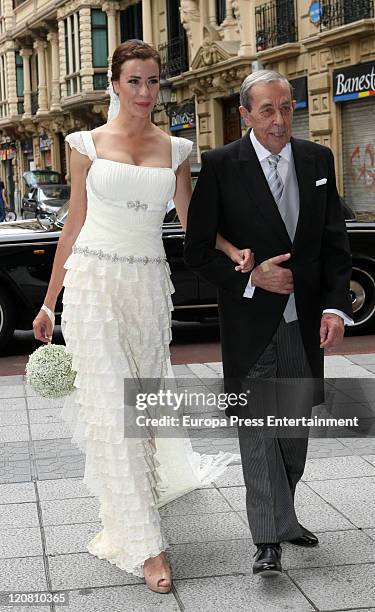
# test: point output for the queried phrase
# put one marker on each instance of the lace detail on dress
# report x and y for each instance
(184, 149)
(75, 141)
(131, 259)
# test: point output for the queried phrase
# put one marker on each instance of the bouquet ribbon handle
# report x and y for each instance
(51, 316)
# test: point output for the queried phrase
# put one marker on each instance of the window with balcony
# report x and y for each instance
(220, 11)
(174, 53)
(131, 22)
(276, 24)
(19, 83)
(72, 54)
(3, 87)
(99, 41)
(340, 12)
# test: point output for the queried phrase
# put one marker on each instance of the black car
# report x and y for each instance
(27, 250)
(44, 193)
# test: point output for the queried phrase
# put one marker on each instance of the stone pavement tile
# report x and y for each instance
(17, 493)
(341, 587)
(45, 415)
(40, 431)
(20, 542)
(360, 444)
(206, 501)
(60, 467)
(62, 539)
(40, 403)
(29, 391)
(14, 433)
(370, 458)
(204, 528)
(62, 489)
(235, 496)
(7, 381)
(66, 511)
(14, 471)
(52, 448)
(337, 467)
(16, 403)
(315, 514)
(11, 391)
(17, 451)
(353, 498)
(181, 369)
(200, 559)
(134, 598)
(18, 516)
(362, 359)
(345, 452)
(370, 533)
(202, 371)
(335, 548)
(241, 594)
(82, 571)
(232, 477)
(370, 368)
(13, 417)
(22, 574)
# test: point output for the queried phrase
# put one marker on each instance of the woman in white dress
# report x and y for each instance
(116, 318)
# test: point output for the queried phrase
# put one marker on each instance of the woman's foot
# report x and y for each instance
(157, 573)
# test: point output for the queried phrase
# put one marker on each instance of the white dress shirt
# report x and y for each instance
(286, 153)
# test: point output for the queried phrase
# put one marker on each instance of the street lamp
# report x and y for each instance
(165, 94)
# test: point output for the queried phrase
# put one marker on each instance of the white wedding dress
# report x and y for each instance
(116, 323)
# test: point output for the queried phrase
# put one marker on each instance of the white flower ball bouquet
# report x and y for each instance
(49, 371)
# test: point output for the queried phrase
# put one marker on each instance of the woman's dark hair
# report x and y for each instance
(2, 186)
(132, 49)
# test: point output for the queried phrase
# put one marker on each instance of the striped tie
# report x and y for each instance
(274, 179)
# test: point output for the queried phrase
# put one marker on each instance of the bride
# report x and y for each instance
(116, 317)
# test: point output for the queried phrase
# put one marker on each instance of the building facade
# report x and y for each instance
(54, 60)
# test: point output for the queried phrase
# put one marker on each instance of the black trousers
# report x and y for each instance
(273, 464)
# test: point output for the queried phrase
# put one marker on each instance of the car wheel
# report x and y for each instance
(362, 290)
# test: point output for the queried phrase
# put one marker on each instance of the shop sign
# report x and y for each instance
(45, 143)
(354, 82)
(315, 12)
(7, 151)
(300, 91)
(182, 117)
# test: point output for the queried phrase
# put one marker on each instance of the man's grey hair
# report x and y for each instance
(260, 76)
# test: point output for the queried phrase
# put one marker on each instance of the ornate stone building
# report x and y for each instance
(54, 60)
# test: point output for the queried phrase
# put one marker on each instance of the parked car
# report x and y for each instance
(44, 195)
(27, 249)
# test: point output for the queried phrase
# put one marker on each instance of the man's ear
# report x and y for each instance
(245, 116)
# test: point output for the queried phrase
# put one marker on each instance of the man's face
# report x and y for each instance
(271, 114)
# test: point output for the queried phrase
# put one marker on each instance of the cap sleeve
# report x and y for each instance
(76, 141)
(184, 149)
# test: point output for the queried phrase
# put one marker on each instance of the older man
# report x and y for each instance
(276, 195)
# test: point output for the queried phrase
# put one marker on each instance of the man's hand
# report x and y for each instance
(269, 275)
(331, 330)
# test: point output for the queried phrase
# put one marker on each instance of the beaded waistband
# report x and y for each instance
(117, 258)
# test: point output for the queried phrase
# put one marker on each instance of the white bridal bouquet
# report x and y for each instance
(49, 371)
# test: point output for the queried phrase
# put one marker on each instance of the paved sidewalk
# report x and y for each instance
(47, 516)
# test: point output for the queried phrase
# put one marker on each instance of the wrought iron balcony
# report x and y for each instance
(34, 102)
(340, 12)
(20, 106)
(275, 23)
(174, 57)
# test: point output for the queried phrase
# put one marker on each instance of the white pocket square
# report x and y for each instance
(321, 182)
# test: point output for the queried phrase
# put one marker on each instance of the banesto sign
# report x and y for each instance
(354, 82)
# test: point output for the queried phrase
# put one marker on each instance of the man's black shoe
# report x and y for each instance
(267, 560)
(306, 539)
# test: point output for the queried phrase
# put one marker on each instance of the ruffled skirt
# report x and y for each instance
(116, 323)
